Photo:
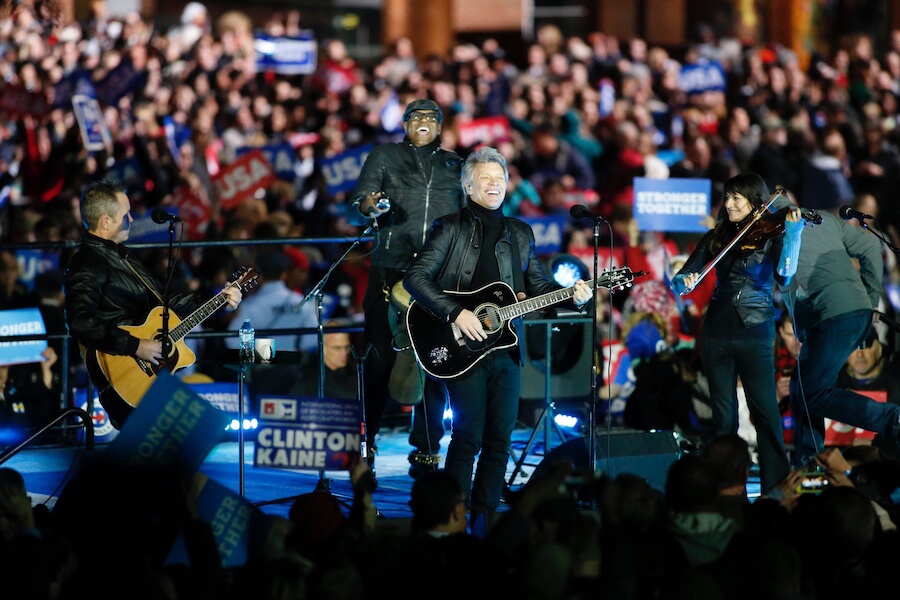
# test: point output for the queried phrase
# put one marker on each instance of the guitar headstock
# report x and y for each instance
(617, 280)
(245, 278)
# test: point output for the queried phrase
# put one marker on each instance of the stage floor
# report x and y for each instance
(46, 469)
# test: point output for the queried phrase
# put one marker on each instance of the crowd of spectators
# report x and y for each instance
(586, 115)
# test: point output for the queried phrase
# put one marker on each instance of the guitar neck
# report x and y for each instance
(528, 305)
(198, 316)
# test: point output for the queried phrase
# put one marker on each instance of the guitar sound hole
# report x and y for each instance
(490, 319)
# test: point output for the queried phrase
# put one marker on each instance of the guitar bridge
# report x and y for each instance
(145, 367)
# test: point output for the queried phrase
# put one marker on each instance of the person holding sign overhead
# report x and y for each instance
(738, 332)
(404, 187)
(105, 290)
(467, 251)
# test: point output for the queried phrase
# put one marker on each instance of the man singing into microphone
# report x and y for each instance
(832, 302)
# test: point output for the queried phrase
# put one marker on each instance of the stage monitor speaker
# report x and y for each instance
(647, 454)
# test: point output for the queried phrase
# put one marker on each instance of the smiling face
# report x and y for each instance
(488, 187)
(422, 127)
(738, 207)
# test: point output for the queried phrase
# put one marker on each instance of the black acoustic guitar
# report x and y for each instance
(444, 352)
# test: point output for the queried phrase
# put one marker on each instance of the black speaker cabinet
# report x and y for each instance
(648, 454)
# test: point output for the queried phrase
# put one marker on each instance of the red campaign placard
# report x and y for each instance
(194, 210)
(839, 434)
(483, 131)
(242, 178)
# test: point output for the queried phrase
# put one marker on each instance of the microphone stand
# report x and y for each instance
(317, 292)
(595, 370)
(166, 342)
(864, 225)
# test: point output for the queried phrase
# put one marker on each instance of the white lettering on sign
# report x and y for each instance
(671, 203)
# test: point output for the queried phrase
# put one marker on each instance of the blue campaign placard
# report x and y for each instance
(307, 433)
(280, 156)
(21, 321)
(223, 395)
(94, 132)
(240, 529)
(703, 76)
(548, 233)
(672, 204)
(172, 427)
(295, 55)
(342, 171)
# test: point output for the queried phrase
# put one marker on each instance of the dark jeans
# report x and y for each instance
(728, 351)
(814, 395)
(485, 405)
(428, 418)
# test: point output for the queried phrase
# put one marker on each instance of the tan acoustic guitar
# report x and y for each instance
(121, 378)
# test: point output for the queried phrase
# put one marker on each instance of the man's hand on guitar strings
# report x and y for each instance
(150, 350)
(582, 293)
(470, 325)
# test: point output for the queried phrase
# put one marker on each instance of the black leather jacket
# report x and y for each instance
(102, 292)
(745, 282)
(449, 257)
(422, 183)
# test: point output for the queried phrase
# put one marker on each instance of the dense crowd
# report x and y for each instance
(579, 117)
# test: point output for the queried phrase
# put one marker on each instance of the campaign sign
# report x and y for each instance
(172, 427)
(483, 131)
(548, 233)
(240, 180)
(305, 433)
(21, 321)
(342, 171)
(240, 529)
(286, 55)
(34, 262)
(672, 204)
(280, 156)
(104, 432)
(223, 395)
(195, 209)
(841, 434)
(702, 76)
(94, 132)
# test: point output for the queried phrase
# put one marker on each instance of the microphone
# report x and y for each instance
(848, 213)
(581, 212)
(159, 215)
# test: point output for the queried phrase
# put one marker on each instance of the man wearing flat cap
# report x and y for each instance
(420, 181)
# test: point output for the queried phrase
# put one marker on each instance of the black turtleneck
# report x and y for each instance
(487, 271)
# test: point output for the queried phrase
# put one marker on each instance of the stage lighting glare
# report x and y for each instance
(567, 269)
(235, 424)
(566, 421)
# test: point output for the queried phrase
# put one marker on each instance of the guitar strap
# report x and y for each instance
(518, 274)
(144, 281)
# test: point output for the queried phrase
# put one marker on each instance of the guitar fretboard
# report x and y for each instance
(198, 316)
(528, 305)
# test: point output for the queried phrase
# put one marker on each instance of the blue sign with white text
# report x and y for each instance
(672, 204)
(342, 171)
(21, 321)
(702, 76)
(548, 233)
(286, 55)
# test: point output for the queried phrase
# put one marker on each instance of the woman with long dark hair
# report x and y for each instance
(738, 333)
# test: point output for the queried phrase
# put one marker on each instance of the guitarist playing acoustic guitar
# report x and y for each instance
(108, 295)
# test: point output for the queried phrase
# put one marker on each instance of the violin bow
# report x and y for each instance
(712, 264)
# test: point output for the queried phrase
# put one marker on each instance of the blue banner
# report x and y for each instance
(287, 55)
(240, 529)
(21, 321)
(172, 427)
(223, 395)
(548, 233)
(303, 433)
(702, 76)
(34, 262)
(94, 132)
(280, 156)
(672, 204)
(342, 171)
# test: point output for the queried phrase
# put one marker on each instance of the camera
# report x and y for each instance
(812, 482)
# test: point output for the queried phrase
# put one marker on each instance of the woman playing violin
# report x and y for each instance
(738, 333)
